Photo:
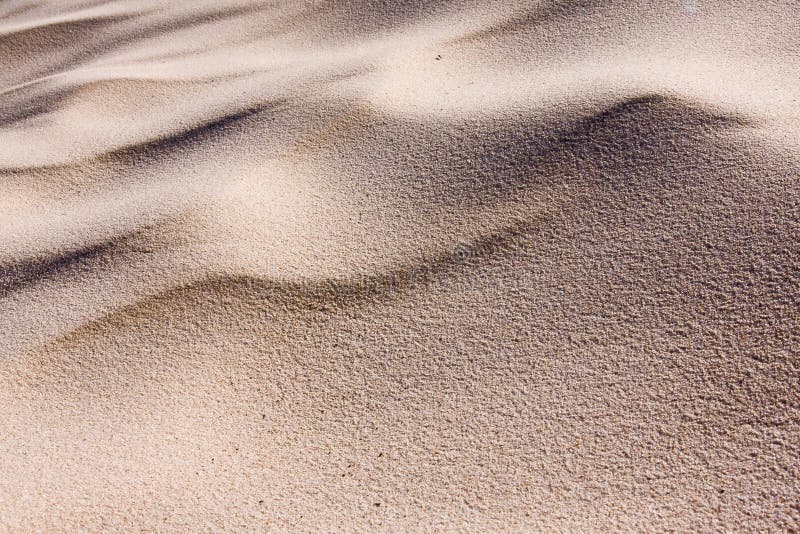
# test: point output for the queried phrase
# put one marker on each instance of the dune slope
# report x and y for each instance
(355, 265)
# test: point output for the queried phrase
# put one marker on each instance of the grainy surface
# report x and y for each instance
(451, 266)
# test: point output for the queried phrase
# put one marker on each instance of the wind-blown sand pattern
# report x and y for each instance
(399, 266)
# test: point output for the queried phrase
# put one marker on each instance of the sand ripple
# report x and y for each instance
(362, 265)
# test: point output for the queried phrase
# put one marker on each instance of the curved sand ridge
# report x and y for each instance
(397, 266)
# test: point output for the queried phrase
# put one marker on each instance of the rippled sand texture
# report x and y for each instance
(399, 266)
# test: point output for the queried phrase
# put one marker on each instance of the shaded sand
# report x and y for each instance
(399, 266)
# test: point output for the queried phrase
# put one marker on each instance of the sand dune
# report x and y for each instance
(399, 266)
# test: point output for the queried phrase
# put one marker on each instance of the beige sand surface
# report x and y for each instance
(399, 265)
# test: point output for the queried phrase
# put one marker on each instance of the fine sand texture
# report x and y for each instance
(399, 266)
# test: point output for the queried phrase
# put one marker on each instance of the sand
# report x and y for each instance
(399, 266)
